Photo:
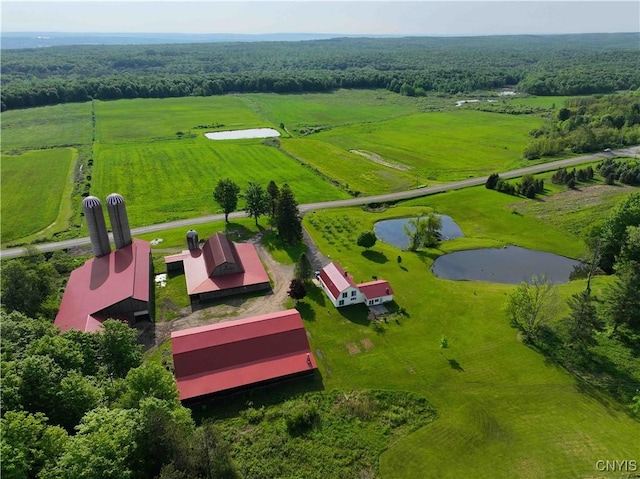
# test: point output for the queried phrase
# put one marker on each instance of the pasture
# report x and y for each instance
(46, 127)
(36, 187)
(504, 411)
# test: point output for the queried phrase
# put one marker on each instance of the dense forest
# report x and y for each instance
(540, 65)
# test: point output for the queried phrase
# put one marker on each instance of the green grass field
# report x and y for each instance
(35, 186)
(443, 146)
(504, 411)
(153, 152)
(149, 119)
(174, 179)
(46, 127)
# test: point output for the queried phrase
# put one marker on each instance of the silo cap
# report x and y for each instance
(115, 199)
(91, 202)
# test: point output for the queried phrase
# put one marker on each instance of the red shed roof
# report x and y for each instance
(197, 273)
(231, 354)
(101, 283)
(375, 289)
(336, 279)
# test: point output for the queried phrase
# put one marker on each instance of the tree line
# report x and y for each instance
(541, 65)
(586, 124)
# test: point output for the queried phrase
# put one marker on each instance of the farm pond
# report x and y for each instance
(508, 265)
(242, 134)
(392, 231)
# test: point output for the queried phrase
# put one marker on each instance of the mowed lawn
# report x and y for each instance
(47, 126)
(442, 146)
(32, 186)
(504, 411)
(169, 180)
(148, 119)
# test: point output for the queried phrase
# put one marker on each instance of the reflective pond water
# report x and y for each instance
(392, 231)
(509, 265)
(242, 134)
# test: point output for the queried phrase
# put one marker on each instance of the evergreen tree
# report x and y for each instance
(274, 192)
(288, 218)
(303, 270)
(492, 181)
(582, 321)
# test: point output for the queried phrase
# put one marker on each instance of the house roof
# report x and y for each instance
(336, 279)
(231, 354)
(101, 283)
(218, 250)
(198, 275)
(375, 289)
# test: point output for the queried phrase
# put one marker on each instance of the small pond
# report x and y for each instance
(242, 134)
(392, 231)
(509, 265)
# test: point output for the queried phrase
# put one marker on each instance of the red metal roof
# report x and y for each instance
(336, 279)
(218, 250)
(197, 274)
(375, 289)
(231, 354)
(101, 283)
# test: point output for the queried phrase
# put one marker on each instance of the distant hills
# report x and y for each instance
(16, 40)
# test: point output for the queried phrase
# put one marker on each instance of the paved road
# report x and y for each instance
(402, 195)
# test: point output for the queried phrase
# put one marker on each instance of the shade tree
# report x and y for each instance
(226, 195)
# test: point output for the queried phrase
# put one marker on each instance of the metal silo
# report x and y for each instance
(119, 220)
(94, 215)
(192, 240)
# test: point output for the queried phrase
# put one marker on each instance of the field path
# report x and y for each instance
(402, 195)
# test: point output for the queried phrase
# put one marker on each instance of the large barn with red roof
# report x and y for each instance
(113, 284)
(343, 291)
(220, 268)
(234, 354)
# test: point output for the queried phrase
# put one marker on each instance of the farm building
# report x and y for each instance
(343, 291)
(234, 354)
(113, 284)
(220, 268)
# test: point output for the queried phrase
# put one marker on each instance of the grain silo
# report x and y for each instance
(119, 220)
(192, 240)
(94, 215)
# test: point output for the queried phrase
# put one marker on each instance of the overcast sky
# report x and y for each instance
(452, 17)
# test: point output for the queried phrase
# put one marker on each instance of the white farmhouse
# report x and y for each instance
(343, 291)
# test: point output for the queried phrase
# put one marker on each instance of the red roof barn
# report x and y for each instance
(232, 354)
(116, 285)
(220, 268)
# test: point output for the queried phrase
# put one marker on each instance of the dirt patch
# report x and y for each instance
(367, 344)
(380, 160)
(352, 348)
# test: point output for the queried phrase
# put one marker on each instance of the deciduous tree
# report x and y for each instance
(532, 305)
(226, 195)
(257, 201)
(297, 290)
(367, 239)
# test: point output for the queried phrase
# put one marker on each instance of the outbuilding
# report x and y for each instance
(245, 352)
